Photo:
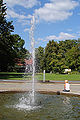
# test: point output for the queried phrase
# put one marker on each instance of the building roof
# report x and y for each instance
(28, 62)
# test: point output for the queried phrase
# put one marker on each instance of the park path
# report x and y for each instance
(21, 86)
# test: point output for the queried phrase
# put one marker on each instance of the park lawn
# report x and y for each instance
(14, 76)
(60, 77)
(39, 76)
(4, 73)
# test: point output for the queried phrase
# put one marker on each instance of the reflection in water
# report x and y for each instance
(68, 106)
(47, 107)
(66, 101)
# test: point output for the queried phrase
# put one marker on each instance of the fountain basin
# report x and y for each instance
(50, 88)
(16, 106)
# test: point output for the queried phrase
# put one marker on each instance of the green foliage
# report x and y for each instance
(17, 46)
(11, 46)
(74, 76)
(5, 39)
(73, 57)
(51, 51)
(61, 55)
(59, 77)
(39, 54)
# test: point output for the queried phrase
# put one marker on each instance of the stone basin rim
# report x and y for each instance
(42, 92)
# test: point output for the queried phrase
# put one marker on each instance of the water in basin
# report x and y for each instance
(17, 106)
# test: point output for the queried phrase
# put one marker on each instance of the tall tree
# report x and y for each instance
(73, 57)
(11, 46)
(5, 39)
(62, 55)
(39, 54)
(51, 52)
(18, 46)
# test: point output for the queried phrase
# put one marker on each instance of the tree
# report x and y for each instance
(39, 55)
(51, 52)
(65, 47)
(62, 55)
(73, 57)
(17, 46)
(11, 46)
(5, 39)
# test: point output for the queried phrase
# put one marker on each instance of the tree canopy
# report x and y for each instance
(11, 46)
(39, 55)
(60, 55)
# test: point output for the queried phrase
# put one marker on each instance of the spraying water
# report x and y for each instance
(33, 56)
(28, 102)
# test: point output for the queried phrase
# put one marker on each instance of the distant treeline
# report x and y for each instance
(58, 56)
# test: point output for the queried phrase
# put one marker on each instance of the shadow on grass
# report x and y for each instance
(14, 76)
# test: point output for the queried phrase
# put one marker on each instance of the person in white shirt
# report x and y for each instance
(66, 86)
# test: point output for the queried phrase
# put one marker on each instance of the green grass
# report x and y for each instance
(14, 76)
(39, 76)
(60, 77)
(3, 73)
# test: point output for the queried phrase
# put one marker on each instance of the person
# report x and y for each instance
(66, 86)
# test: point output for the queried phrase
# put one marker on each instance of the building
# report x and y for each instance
(22, 65)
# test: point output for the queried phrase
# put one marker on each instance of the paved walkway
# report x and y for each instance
(17, 86)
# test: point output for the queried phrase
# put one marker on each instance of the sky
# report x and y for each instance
(54, 19)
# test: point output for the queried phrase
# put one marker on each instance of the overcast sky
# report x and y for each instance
(55, 19)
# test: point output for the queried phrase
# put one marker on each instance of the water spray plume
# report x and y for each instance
(33, 56)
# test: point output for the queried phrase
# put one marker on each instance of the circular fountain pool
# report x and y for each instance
(46, 107)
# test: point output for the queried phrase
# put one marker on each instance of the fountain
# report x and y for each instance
(21, 106)
(52, 107)
(28, 101)
(33, 57)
